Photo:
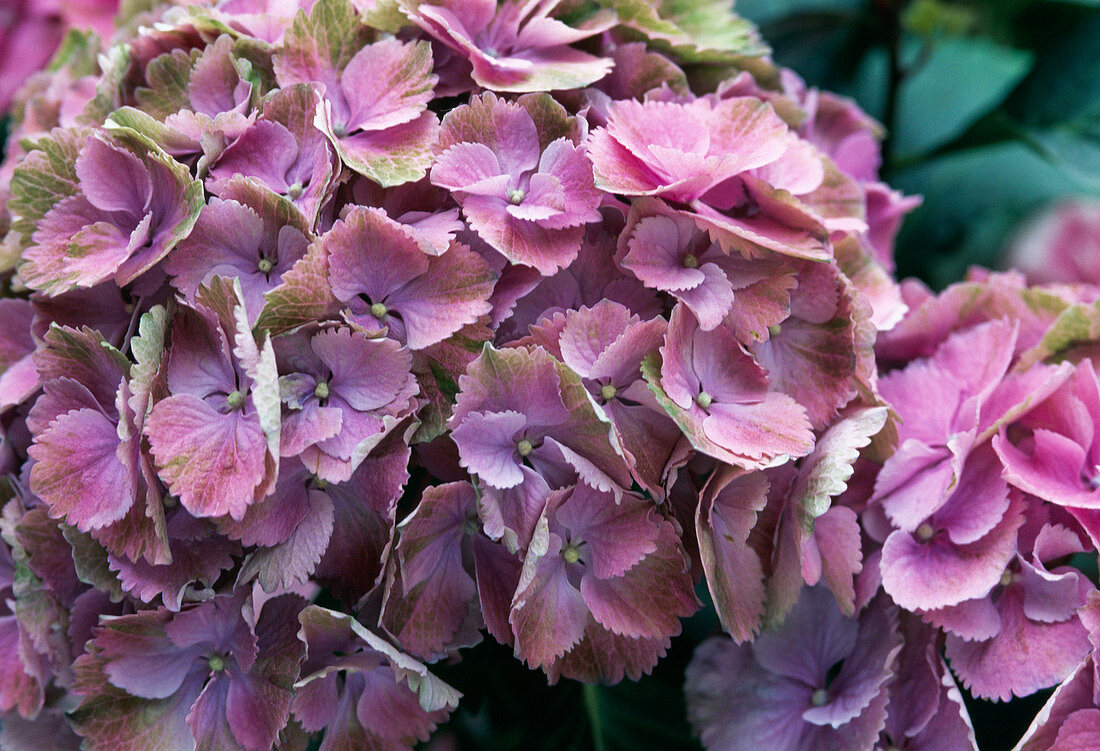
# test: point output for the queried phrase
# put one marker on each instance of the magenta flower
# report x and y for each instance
(515, 46)
(818, 681)
(1060, 244)
(605, 346)
(524, 423)
(525, 185)
(1025, 634)
(719, 396)
(248, 234)
(734, 162)
(590, 557)
(339, 387)
(215, 438)
(283, 151)
(362, 691)
(375, 96)
(205, 674)
(133, 206)
(1058, 455)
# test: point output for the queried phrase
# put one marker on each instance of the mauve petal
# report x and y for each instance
(1050, 597)
(979, 501)
(1025, 657)
(761, 431)
(548, 613)
(470, 167)
(749, 130)
(1052, 471)
(735, 705)
(678, 376)
(934, 574)
(620, 362)
(928, 397)
(572, 170)
(588, 332)
(657, 248)
(207, 720)
(520, 241)
(367, 373)
(199, 361)
(78, 471)
(525, 381)
(387, 83)
(213, 462)
(389, 708)
(487, 446)
(725, 370)
(113, 179)
(1079, 732)
(505, 127)
(675, 127)
(617, 170)
(452, 293)
(73, 248)
(615, 536)
(543, 200)
(266, 152)
(798, 171)
(976, 619)
(511, 514)
(865, 672)
(355, 427)
(371, 254)
(256, 710)
(914, 482)
(650, 598)
(228, 235)
(141, 659)
(813, 638)
(711, 300)
(978, 356)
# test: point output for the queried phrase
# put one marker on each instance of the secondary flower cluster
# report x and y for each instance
(334, 301)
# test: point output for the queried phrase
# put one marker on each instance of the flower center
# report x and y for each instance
(703, 399)
(925, 532)
(216, 663)
(339, 130)
(516, 196)
(607, 391)
(1006, 578)
(295, 191)
(235, 399)
(378, 310)
(819, 698)
(1094, 480)
(524, 447)
(690, 261)
(321, 390)
(774, 330)
(571, 554)
(265, 265)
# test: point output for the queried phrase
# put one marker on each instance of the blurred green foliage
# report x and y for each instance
(992, 107)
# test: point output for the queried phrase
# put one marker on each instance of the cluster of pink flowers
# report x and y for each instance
(337, 297)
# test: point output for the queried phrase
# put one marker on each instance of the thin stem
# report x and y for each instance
(890, 13)
(595, 721)
(134, 316)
